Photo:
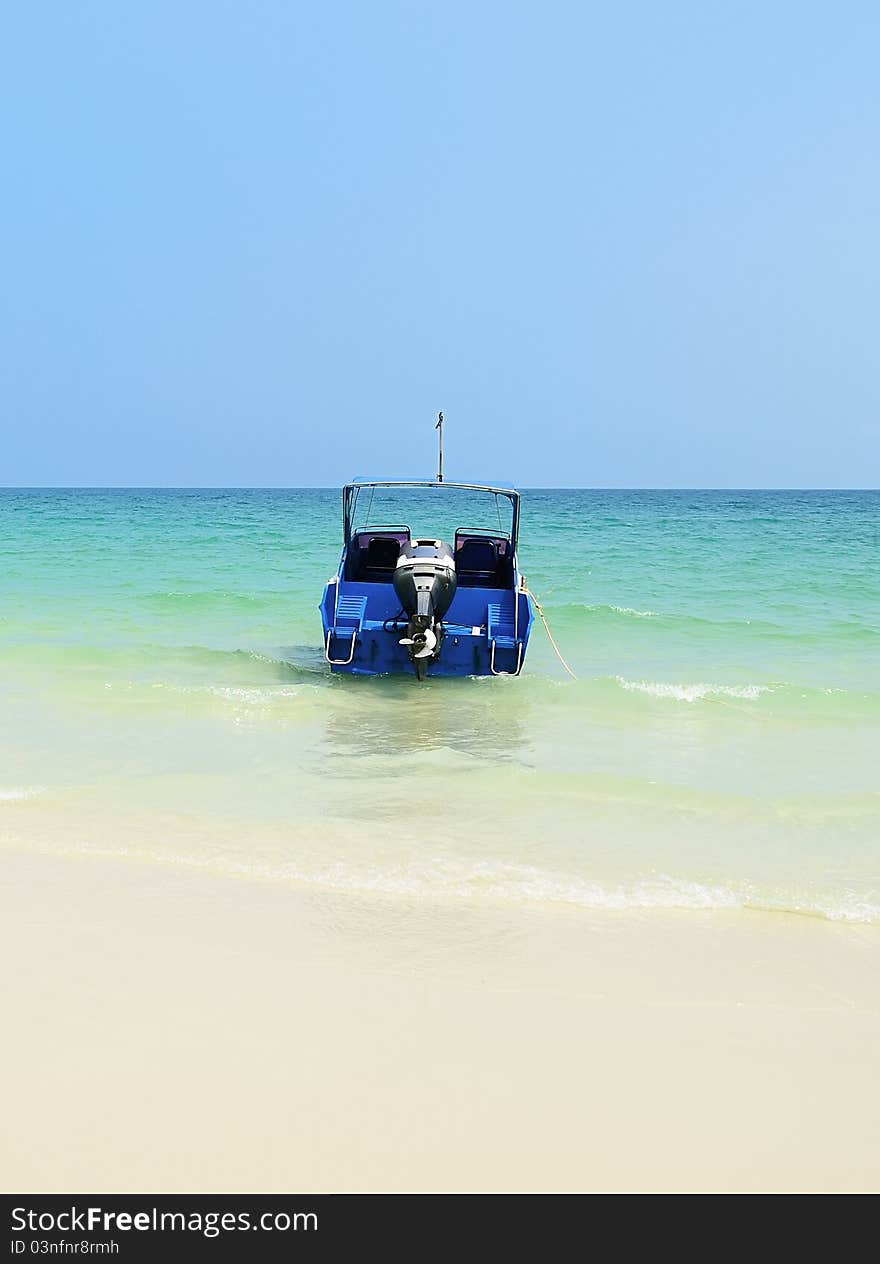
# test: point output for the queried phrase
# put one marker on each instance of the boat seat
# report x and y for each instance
(476, 563)
(380, 558)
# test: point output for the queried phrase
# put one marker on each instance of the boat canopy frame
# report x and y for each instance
(351, 491)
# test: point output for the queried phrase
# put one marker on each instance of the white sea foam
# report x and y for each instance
(523, 883)
(629, 611)
(692, 693)
(847, 910)
(503, 882)
(259, 695)
(636, 614)
(17, 793)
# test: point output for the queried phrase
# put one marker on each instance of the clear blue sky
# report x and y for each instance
(261, 243)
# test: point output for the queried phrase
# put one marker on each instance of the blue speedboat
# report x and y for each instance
(444, 601)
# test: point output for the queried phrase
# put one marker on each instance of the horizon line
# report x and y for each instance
(326, 487)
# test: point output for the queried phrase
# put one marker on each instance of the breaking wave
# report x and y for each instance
(693, 693)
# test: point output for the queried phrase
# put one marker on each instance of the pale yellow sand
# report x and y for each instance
(169, 1030)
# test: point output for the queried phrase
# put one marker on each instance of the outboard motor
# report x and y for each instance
(425, 583)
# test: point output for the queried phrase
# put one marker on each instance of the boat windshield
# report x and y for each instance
(436, 511)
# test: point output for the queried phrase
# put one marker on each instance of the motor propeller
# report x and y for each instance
(426, 641)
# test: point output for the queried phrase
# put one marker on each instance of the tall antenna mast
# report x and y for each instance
(439, 427)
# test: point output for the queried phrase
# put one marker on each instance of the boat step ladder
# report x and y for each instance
(501, 632)
(349, 619)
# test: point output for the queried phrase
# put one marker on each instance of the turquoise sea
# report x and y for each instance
(164, 699)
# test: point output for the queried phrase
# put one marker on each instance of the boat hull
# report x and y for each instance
(486, 631)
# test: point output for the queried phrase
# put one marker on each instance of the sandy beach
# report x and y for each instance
(175, 1031)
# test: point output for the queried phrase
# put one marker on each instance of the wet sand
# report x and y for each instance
(171, 1030)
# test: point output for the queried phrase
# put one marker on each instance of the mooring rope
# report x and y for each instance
(540, 611)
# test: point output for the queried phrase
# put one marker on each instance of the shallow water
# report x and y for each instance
(163, 696)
